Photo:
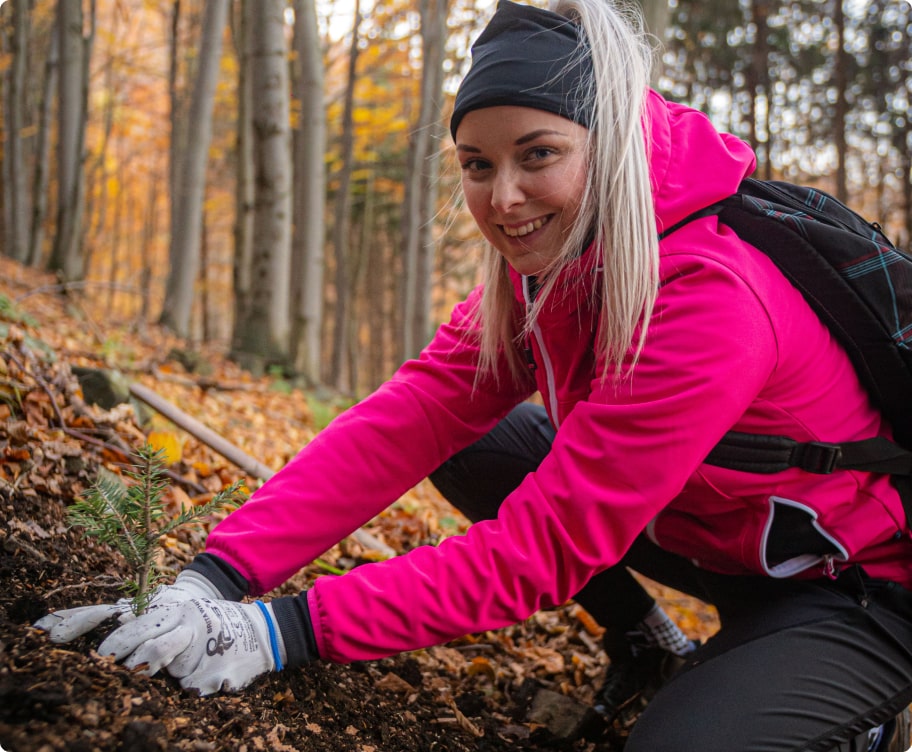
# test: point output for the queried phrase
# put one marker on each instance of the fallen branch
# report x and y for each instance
(233, 453)
(210, 438)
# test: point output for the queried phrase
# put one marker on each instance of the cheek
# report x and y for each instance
(573, 187)
(477, 200)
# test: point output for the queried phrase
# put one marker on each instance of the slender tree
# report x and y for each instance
(342, 318)
(265, 332)
(840, 85)
(758, 81)
(421, 180)
(15, 178)
(244, 188)
(189, 191)
(309, 196)
(72, 96)
(656, 16)
(41, 174)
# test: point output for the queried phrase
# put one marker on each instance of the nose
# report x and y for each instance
(507, 191)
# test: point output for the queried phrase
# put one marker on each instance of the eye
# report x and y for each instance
(539, 153)
(475, 165)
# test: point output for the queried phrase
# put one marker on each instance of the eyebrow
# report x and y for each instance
(519, 142)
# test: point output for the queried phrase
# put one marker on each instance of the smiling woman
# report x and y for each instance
(644, 356)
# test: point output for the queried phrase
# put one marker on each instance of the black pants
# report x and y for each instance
(796, 665)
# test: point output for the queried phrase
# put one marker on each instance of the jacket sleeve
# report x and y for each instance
(365, 459)
(617, 460)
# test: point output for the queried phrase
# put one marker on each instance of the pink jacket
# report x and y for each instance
(731, 345)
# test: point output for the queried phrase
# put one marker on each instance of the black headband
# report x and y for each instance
(528, 57)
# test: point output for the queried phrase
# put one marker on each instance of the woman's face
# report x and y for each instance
(523, 177)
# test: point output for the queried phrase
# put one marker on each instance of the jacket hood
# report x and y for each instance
(693, 165)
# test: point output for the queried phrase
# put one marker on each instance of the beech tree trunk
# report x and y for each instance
(72, 94)
(265, 333)
(342, 318)
(190, 187)
(244, 191)
(421, 181)
(15, 180)
(309, 197)
(41, 172)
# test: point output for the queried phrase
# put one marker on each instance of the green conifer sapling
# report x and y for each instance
(131, 518)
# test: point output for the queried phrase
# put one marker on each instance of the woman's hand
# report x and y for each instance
(209, 645)
(69, 623)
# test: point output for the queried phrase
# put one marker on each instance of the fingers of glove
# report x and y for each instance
(70, 623)
(208, 682)
(126, 639)
(158, 652)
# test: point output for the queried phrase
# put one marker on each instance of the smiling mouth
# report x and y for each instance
(518, 232)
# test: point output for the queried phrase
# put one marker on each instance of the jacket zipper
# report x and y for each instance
(546, 358)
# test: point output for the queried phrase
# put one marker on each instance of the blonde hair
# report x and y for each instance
(616, 212)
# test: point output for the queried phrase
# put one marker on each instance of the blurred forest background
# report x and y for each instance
(275, 177)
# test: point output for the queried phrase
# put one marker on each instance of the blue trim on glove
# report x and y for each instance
(273, 639)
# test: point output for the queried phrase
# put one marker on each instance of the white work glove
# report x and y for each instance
(208, 645)
(70, 623)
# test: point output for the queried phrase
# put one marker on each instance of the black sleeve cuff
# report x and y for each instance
(293, 620)
(230, 583)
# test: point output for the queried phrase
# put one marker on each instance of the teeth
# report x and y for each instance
(518, 232)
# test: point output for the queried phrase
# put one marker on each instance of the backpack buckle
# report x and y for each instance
(816, 457)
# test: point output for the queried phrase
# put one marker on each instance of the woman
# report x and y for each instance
(645, 356)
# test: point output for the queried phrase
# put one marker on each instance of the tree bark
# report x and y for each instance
(266, 331)
(16, 194)
(840, 76)
(655, 16)
(72, 94)
(421, 181)
(342, 219)
(191, 185)
(244, 189)
(309, 197)
(41, 173)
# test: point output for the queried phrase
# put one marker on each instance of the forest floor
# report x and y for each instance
(527, 687)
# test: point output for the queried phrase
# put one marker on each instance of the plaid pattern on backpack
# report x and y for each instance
(860, 285)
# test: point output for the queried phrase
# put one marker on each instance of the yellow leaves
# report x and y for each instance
(169, 443)
(481, 666)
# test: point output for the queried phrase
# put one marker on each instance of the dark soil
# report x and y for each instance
(69, 698)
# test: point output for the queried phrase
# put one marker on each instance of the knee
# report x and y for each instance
(680, 732)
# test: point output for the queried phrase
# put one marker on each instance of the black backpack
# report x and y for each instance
(860, 285)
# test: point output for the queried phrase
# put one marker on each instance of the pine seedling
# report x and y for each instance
(131, 518)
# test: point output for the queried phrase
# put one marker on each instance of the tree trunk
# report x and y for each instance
(841, 108)
(309, 197)
(757, 80)
(342, 219)
(176, 145)
(16, 194)
(66, 258)
(42, 155)
(190, 189)
(265, 333)
(655, 15)
(421, 181)
(244, 190)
